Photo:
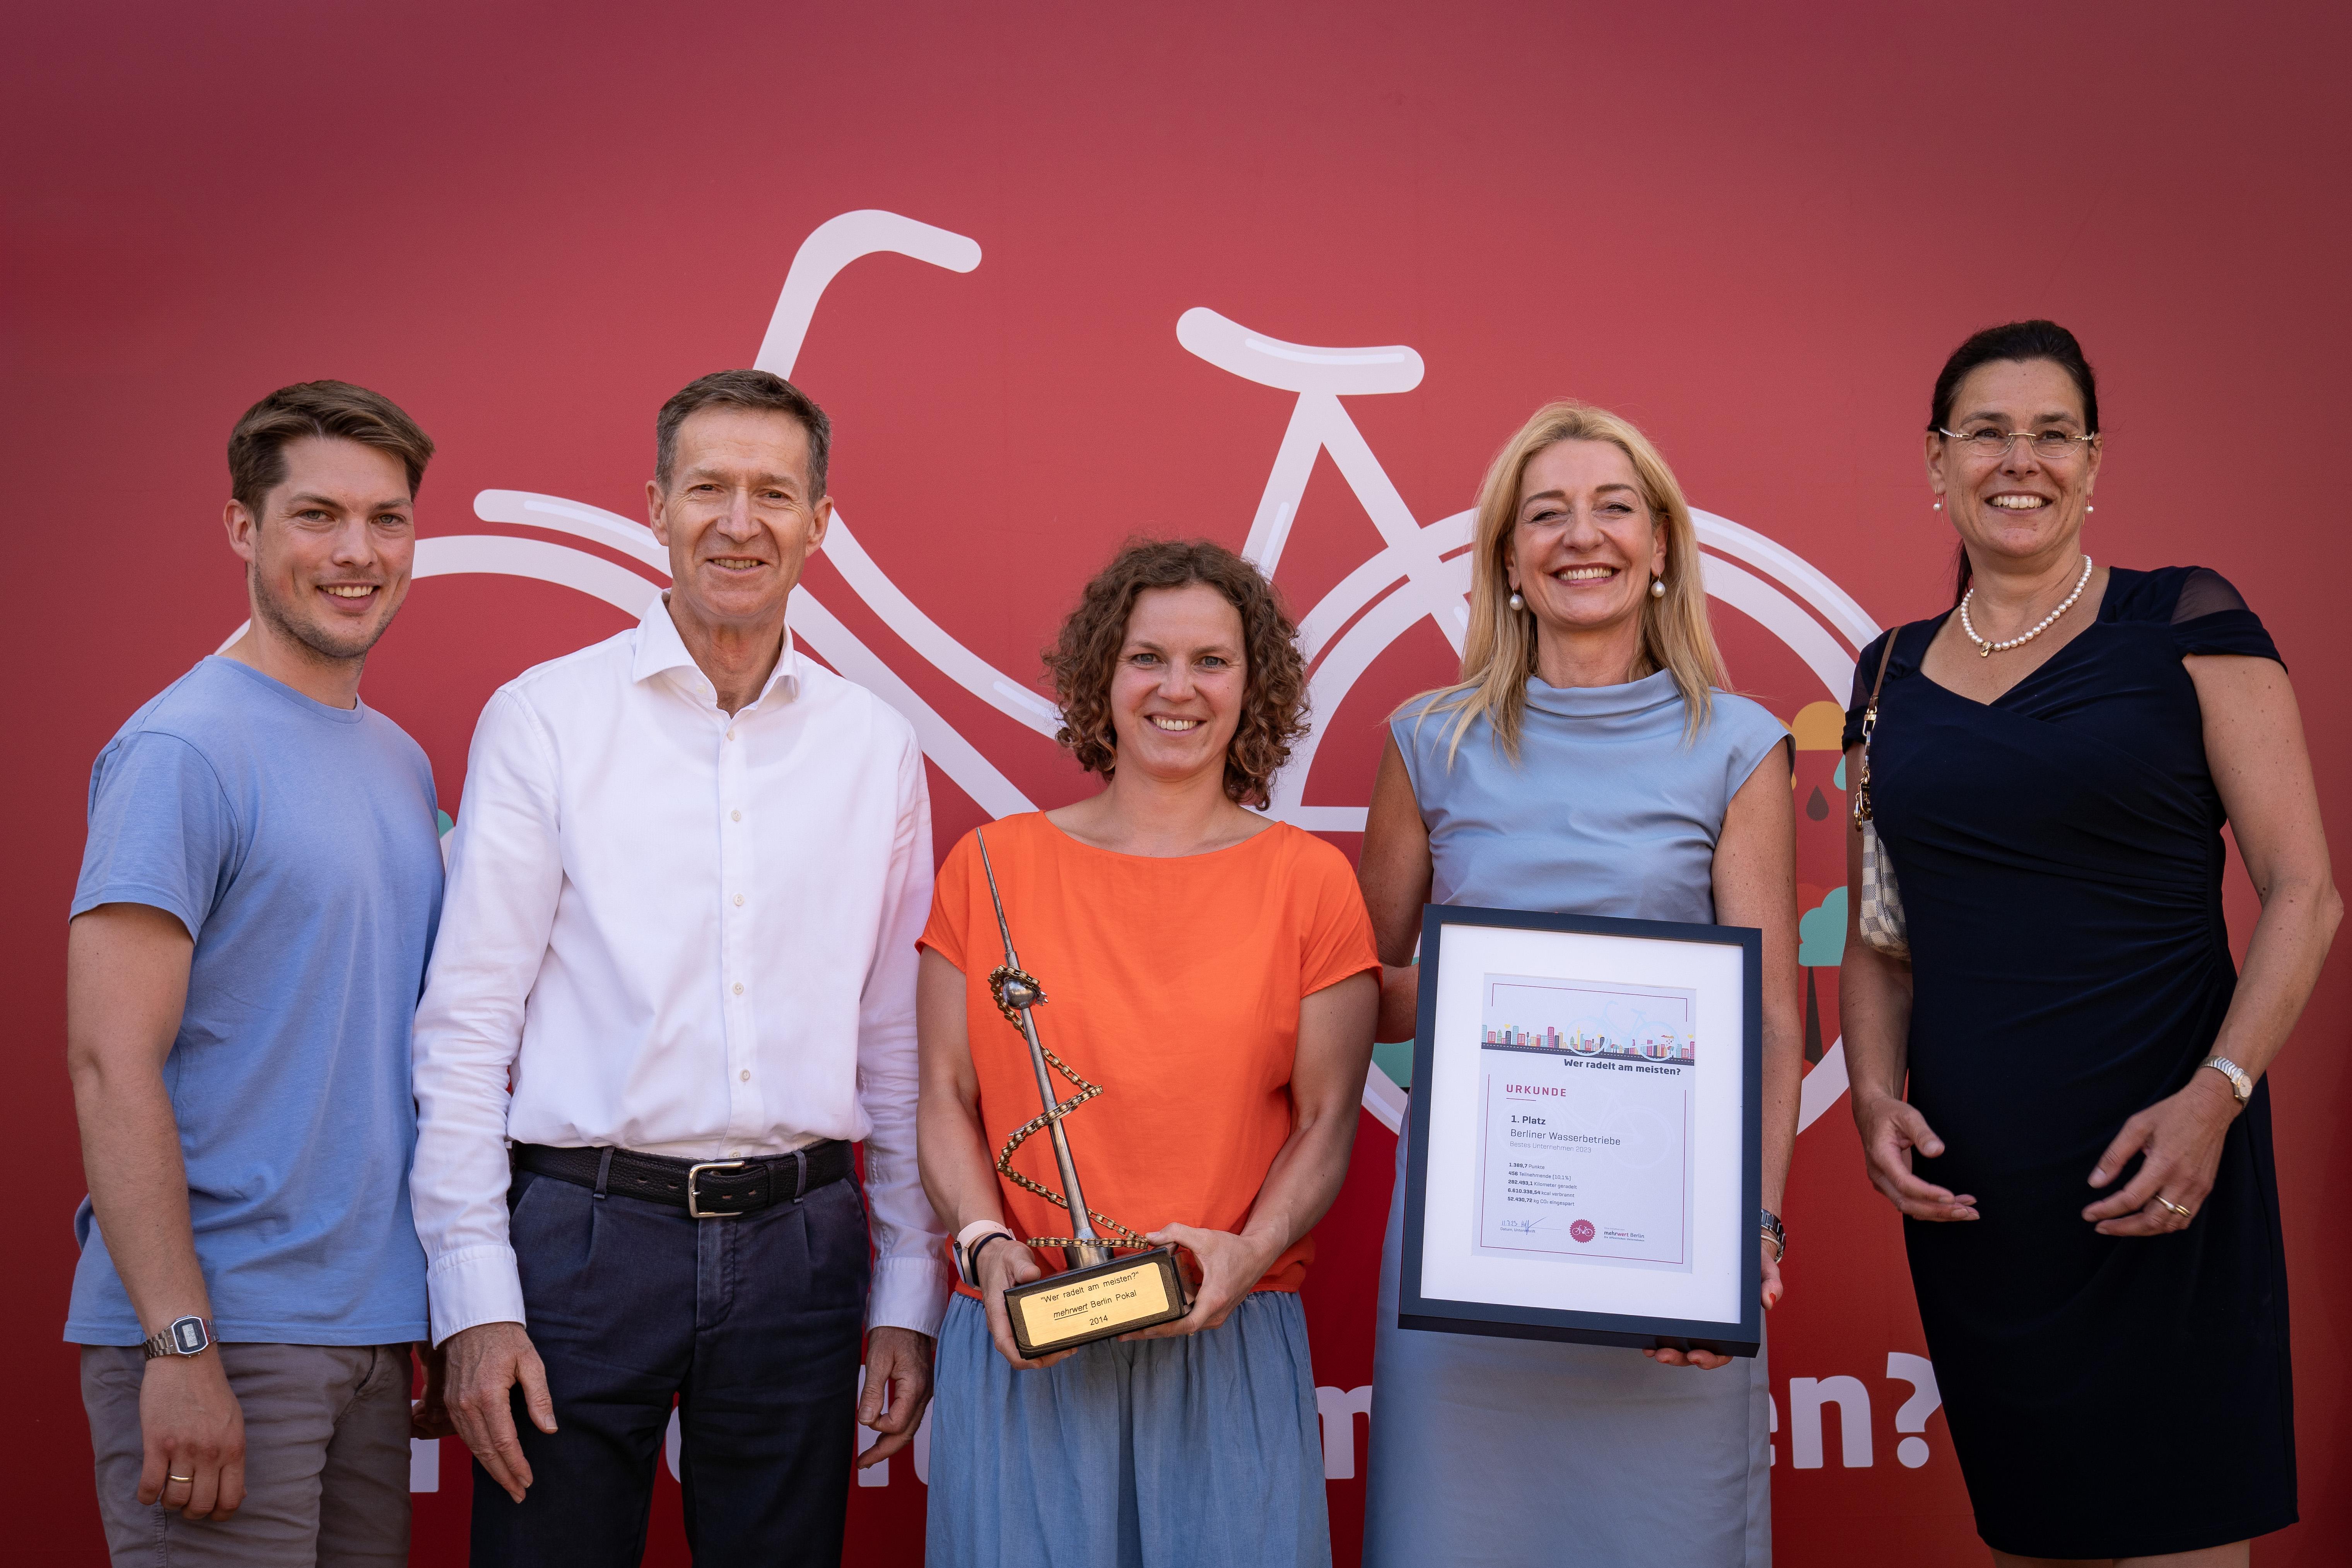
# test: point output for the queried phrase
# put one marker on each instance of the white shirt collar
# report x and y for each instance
(660, 648)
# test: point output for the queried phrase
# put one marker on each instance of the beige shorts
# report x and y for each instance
(326, 1461)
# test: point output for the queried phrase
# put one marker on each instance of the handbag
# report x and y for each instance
(1880, 919)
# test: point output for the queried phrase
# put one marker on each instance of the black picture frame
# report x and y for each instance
(1513, 1320)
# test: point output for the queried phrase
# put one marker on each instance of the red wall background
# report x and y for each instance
(1757, 234)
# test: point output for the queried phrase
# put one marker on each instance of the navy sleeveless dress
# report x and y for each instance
(2060, 857)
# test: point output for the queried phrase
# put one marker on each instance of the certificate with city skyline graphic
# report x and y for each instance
(1586, 1091)
(1583, 1160)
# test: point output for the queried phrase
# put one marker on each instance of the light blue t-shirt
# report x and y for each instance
(298, 843)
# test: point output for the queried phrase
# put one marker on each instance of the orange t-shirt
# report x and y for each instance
(1173, 982)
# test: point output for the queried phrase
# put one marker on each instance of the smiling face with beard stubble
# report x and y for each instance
(328, 558)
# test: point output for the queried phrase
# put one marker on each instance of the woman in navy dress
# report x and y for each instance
(2062, 1088)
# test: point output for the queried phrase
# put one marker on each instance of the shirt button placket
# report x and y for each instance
(733, 868)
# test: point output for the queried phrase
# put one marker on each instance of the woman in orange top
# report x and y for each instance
(1214, 971)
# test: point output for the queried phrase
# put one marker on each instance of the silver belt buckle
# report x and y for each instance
(693, 1209)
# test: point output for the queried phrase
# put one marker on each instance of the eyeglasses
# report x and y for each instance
(1990, 441)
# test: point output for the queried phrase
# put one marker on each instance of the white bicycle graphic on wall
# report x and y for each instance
(1421, 570)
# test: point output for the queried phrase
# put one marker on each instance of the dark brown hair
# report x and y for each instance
(256, 447)
(1274, 702)
(743, 389)
(2023, 342)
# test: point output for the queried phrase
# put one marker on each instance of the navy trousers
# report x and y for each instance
(751, 1325)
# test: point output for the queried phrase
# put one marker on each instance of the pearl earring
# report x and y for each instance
(1517, 601)
(1657, 587)
(1940, 506)
(2088, 507)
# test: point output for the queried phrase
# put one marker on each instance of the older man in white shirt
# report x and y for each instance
(676, 973)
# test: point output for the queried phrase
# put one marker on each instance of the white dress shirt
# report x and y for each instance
(680, 933)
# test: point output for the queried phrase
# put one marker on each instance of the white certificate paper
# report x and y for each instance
(1585, 1119)
(1581, 1163)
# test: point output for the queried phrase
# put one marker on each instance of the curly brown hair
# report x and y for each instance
(1274, 707)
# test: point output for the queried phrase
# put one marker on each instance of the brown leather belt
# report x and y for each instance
(706, 1189)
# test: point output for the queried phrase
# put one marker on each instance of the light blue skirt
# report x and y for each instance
(1199, 1452)
(1504, 1453)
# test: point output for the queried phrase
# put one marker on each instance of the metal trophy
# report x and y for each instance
(1100, 1295)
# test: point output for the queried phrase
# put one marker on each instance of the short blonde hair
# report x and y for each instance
(1499, 654)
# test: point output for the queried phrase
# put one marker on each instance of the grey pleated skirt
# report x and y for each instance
(1495, 1453)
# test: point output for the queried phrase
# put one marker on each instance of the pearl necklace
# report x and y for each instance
(1985, 649)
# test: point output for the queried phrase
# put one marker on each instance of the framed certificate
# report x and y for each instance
(1584, 1160)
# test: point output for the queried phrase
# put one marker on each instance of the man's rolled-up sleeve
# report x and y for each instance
(910, 1280)
(505, 870)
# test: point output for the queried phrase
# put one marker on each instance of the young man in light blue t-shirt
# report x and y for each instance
(256, 903)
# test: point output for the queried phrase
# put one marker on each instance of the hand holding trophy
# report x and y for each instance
(1100, 1295)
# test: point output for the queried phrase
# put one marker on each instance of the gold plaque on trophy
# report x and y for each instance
(1100, 1295)
(1064, 1310)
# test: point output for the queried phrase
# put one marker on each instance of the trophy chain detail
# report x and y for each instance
(1016, 991)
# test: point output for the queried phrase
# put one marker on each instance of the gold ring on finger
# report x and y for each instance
(190, 1479)
(2175, 1207)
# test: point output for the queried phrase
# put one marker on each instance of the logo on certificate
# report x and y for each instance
(1585, 1146)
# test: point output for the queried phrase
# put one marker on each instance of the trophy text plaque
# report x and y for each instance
(1064, 1310)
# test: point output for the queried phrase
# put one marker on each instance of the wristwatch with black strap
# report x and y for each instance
(181, 1336)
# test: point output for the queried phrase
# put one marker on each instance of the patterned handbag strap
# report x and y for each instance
(1861, 807)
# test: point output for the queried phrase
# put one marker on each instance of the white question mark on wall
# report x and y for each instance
(1920, 1372)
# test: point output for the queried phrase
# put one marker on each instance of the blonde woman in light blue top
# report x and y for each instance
(1589, 761)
